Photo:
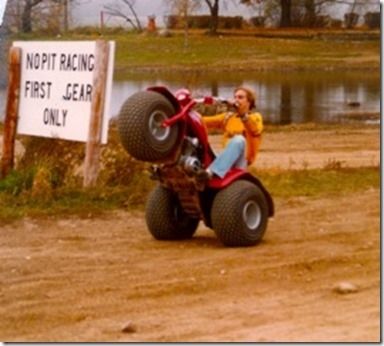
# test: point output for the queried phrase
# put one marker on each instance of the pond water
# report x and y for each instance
(282, 97)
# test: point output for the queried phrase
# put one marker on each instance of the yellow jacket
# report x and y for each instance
(233, 125)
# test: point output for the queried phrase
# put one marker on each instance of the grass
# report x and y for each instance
(139, 52)
(239, 53)
(320, 182)
(74, 201)
(15, 204)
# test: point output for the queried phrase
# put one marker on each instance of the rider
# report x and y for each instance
(242, 134)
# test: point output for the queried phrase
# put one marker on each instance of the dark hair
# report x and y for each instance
(251, 97)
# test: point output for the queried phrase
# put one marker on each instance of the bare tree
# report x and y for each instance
(65, 6)
(126, 13)
(285, 7)
(27, 15)
(289, 10)
(214, 9)
(4, 47)
(48, 13)
(184, 8)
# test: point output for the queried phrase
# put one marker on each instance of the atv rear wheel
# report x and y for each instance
(240, 214)
(165, 217)
(139, 123)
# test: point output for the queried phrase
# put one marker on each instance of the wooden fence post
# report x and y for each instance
(11, 113)
(92, 151)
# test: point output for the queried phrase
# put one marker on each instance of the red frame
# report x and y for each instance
(193, 123)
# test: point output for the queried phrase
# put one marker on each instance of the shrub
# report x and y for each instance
(59, 164)
(17, 181)
(350, 20)
(204, 22)
(372, 20)
(117, 166)
(61, 158)
(258, 21)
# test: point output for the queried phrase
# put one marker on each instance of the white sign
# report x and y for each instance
(56, 89)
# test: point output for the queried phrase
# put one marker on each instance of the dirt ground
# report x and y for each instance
(106, 279)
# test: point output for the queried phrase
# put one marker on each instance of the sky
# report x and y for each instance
(88, 11)
(2, 9)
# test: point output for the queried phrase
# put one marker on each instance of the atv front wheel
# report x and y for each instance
(165, 217)
(240, 214)
(139, 123)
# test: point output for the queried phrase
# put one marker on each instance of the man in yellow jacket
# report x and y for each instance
(242, 135)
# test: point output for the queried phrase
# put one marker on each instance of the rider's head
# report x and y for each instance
(245, 99)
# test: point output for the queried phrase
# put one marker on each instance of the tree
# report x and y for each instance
(310, 10)
(115, 10)
(183, 8)
(285, 103)
(4, 46)
(26, 15)
(286, 7)
(292, 12)
(214, 9)
(66, 15)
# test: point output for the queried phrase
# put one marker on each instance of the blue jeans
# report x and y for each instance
(232, 156)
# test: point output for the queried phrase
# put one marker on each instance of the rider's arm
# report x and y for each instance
(253, 124)
(214, 121)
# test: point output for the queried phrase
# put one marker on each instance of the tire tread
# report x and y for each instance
(227, 214)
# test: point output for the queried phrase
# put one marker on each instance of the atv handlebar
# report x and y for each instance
(182, 114)
(208, 100)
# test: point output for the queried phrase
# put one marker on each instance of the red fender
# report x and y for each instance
(168, 95)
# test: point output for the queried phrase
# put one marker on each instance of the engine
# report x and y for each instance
(189, 159)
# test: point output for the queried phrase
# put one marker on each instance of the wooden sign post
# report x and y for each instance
(92, 152)
(11, 113)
